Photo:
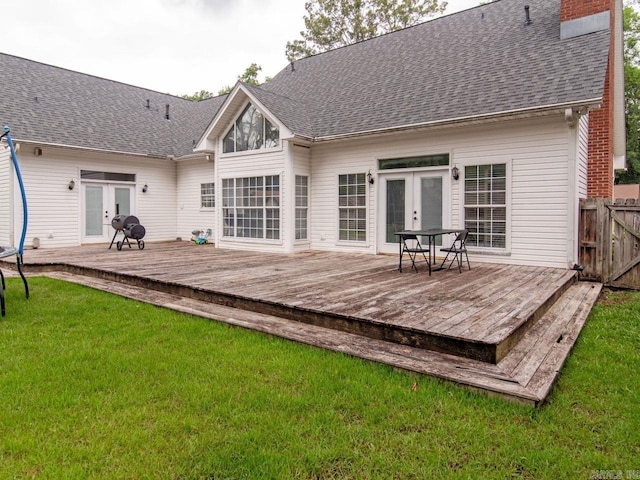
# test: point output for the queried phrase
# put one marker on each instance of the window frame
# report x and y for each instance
(301, 208)
(363, 208)
(506, 249)
(233, 127)
(211, 196)
(243, 198)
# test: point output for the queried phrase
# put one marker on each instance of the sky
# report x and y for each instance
(171, 46)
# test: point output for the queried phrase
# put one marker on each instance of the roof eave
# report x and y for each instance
(90, 149)
(468, 120)
(227, 111)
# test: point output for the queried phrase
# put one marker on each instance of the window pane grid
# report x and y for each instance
(352, 203)
(246, 200)
(207, 195)
(250, 131)
(485, 205)
(302, 202)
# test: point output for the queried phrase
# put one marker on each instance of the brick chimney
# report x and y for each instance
(572, 9)
(581, 17)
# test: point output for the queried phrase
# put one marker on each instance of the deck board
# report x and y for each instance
(476, 307)
(427, 324)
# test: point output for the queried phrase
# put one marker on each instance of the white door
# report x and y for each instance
(412, 201)
(101, 202)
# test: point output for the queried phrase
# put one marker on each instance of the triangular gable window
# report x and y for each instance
(251, 131)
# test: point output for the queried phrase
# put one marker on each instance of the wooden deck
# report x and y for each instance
(493, 325)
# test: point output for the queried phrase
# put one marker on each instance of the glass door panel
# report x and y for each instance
(94, 204)
(395, 215)
(430, 201)
(412, 201)
(100, 203)
(122, 197)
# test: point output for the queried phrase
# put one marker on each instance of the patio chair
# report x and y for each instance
(413, 251)
(457, 249)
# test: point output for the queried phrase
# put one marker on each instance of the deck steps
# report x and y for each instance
(475, 323)
(525, 374)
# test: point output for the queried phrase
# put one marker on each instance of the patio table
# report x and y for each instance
(430, 234)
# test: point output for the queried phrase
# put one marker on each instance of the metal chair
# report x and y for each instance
(413, 251)
(457, 249)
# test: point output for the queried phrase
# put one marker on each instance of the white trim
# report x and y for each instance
(262, 241)
(573, 204)
(352, 243)
(211, 132)
(232, 124)
(470, 120)
(508, 205)
(90, 149)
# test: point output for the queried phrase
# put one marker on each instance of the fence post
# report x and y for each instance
(604, 239)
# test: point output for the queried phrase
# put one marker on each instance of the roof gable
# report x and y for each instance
(233, 105)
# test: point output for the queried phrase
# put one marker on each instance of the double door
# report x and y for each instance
(101, 202)
(412, 201)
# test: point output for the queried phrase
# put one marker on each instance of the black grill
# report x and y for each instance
(130, 227)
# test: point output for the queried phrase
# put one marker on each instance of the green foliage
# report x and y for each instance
(334, 23)
(201, 95)
(249, 76)
(632, 95)
(98, 386)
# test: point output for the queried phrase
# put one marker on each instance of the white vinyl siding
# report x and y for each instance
(329, 161)
(537, 196)
(55, 211)
(301, 160)
(253, 164)
(6, 189)
(582, 155)
(190, 214)
(538, 187)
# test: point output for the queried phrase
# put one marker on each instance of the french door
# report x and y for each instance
(101, 202)
(412, 201)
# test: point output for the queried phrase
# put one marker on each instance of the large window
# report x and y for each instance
(352, 205)
(485, 205)
(207, 195)
(302, 206)
(251, 131)
(251, 207)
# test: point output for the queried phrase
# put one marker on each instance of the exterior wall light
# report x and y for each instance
(370, 178)
(145, 188)
(72, 184)
(455, 173)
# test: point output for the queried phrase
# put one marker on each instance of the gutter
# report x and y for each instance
(91, 149)
(520, 113)
(197, 155)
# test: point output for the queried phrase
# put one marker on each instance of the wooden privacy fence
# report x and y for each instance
(610, 241)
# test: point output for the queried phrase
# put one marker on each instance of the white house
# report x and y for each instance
(493, 119)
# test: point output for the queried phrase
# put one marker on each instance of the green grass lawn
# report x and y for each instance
(97, 386)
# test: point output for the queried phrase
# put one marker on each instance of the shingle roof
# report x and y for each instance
(477, 62)
(48, 104)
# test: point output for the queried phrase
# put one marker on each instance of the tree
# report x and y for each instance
(334, 23)
(201, 95)
(249, 76)
(632, 95)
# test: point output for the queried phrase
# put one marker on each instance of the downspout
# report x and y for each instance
(573, 202)
(288, 227)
